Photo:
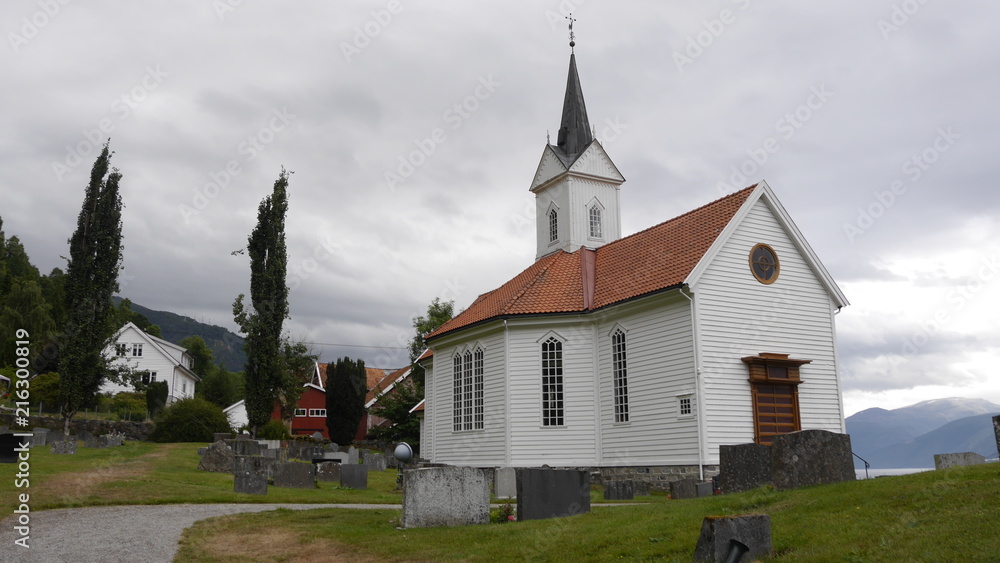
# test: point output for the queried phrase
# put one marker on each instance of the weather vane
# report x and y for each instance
(572, 36)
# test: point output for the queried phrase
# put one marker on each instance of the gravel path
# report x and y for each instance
(107, 534)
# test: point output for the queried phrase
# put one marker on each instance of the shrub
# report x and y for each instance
(190, 420)
(273, 430)
(45, 390)
(129, 405)
(156, 397)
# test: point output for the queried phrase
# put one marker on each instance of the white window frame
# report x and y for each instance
(137, 350)
(619, 374)
(121, 349)
(468, 389)
(148, 377)
(685, 406)
(553, 225)
(553, 396)
(300, 412)
(317, 412)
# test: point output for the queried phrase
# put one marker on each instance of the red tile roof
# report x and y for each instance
(657, 258)
(385, 382)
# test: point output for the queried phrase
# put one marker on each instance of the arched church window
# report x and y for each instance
(595, 222)
(553, 226)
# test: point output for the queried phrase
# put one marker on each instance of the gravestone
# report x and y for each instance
(269, 453)
(218, 458)
(619, 490)
(352, 455)
(295, 475)
(996, 430)
(84, 435)
(718, 534)
(8, 442)
(684, 489)
(374, 461)
(270, 444)
(944, 461)
(445, 496)
(222, 436)
(744, 467)
(705, 489)
(112, 441)
(39, 436)
(354, 476)
(245, 447)
(552, 493)
(328, 471)
(250, 475)
(339, 457)
(63, 447)
(331, 447)
(317, 435)
(640, 489)
(811, 457)
(505, 482)
(390, 459)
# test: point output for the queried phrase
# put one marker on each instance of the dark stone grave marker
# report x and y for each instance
(250, 475)
(744, 467)
(295, 475)
(218, 458)
(752, 531)
(811, 457)
(354, 476)
(619, 490)
(328, 471)
(684, 489)
(63, 447)
(552, 493)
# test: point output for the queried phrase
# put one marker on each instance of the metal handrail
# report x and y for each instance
(867, 465)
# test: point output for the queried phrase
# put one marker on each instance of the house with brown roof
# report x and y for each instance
(645, 352)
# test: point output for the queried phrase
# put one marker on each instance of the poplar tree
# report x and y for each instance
(262, 322)
(95, 258)
(345, 399)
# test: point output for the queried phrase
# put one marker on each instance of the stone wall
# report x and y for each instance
(131, 430)
(658, 477)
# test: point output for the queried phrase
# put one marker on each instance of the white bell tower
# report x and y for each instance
(576, 185)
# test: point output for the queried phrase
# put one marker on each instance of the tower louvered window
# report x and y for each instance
(619, 368)
(552, 383)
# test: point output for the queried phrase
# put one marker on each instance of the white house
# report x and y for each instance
(158, 359)
(644, 352)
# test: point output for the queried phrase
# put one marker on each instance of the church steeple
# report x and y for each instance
(574, 131)
(575, 185)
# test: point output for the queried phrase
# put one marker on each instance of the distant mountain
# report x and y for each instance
(226, 346)
(969, 434)
(900, 437)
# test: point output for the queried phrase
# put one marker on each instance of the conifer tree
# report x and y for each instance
(95, 258)
(345, 399)
(262, 323)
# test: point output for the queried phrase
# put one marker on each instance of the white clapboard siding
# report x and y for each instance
(469, 447)
(534, 444)
(739, 316)
(660, 366)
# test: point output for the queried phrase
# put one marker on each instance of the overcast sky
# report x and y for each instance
(874, 122)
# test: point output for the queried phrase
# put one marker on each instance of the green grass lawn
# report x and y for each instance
(147, 473)
(937, 516)
(946, 515)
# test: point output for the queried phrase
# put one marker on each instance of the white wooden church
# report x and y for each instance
(645, 352)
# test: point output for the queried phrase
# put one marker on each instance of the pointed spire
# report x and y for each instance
(574, 132)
